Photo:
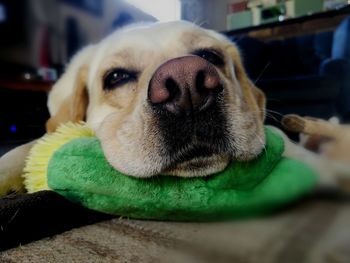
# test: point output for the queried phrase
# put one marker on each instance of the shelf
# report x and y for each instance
(26, 85)
(290, 22)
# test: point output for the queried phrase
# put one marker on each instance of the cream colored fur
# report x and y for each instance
(11, 169)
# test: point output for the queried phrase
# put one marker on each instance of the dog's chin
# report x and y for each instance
(199, 166)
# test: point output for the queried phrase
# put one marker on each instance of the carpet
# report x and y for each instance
(315, 230)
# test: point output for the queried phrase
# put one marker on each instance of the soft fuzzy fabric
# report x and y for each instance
(315, 231)
(80, 172)
(35, 170)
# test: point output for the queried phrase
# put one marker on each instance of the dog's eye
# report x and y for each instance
(212, 56)
(118, 77)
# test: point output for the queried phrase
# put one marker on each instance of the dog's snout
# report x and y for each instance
(184, 84)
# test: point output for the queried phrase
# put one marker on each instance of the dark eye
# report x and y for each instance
(118, 77)
(212, 56)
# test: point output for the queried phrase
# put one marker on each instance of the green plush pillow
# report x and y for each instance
(80, 172)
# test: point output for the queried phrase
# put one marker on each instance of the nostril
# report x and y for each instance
(207, 86)
(172, 88)
(157, 94)
(207, 80)
(212, 81)
(200, 79)
(163, 91)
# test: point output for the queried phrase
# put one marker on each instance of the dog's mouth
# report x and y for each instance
(199, 166)
(197, 161)
(193, 153)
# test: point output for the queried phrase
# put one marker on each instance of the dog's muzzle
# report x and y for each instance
(186, 97)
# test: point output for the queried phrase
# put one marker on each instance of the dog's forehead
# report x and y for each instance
(158, 36)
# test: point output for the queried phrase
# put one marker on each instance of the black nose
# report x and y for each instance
(185, 84)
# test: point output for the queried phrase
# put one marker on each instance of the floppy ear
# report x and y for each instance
(254, 96)
(68, 99)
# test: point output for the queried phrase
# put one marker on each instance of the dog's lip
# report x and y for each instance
(192, 153)
(198, 156)
(196, 162)
(198, 166)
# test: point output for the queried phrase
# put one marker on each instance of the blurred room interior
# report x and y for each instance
(296, 51)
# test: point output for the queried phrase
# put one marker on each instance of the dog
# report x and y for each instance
(167, 98)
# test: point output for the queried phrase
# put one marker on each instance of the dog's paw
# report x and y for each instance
(10, 180)
(293, 123)
(11, 169)
(11, 187)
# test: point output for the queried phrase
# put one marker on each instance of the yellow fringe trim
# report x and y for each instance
(35, 171)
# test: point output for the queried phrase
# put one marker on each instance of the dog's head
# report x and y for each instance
(167, 98)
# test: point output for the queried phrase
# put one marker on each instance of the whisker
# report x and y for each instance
(262, 143)
(275, 112)
(202, 23)
(272, 117)
(262, 72)
(267, 112)
(196, 21)
(199, 22)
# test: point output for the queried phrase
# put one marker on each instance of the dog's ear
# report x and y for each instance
(254, 96)
(68, 99)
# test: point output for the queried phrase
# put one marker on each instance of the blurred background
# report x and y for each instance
(297, 51)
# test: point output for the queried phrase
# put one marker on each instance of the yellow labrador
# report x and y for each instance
(169, 98)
